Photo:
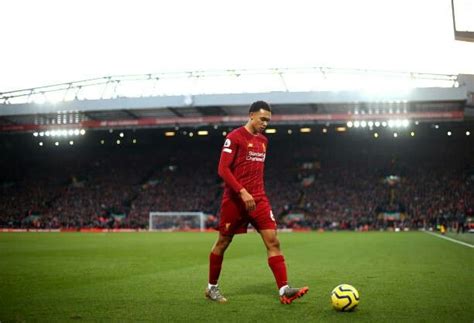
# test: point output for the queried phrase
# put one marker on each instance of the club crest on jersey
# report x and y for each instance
(250, 145)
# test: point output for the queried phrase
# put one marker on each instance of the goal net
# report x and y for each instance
(176, 221)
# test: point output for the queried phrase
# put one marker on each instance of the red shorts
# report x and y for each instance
(234, 218)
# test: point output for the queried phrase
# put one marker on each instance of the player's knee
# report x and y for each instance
(223, 242)
(273, 244)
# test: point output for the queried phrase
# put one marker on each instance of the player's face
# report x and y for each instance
(260, 120)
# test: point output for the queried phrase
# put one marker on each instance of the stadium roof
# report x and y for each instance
(310, 95)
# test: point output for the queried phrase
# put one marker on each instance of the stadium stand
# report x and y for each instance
(315, 181)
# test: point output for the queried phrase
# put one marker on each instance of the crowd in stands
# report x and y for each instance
(319, 185)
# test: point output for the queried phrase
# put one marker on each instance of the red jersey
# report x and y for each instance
(242, 162)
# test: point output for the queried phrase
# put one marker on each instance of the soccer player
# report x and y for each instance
(244, 201)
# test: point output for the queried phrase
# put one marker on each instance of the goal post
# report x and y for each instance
(176, 221)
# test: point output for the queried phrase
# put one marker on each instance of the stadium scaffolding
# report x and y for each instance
(227, 82)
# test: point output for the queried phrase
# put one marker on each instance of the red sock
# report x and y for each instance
(278, 266)
(215, 265)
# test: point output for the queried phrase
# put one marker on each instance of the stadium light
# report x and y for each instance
(449, 133)
(40, 143)
(35, 134)
(41, 134)
(203, 133)
(412, 134)
(395, 135)
(370, 124)
(377, 124)
(305, 130)
(290, 131)
(71, 142)
(391, 123)
(191, 134)
(363, 124)
(356, 124)
(224, 133)
(398, 123)
(70, 132)
(134, 141)
(121, 135)
(170, 133)
(56, 143)
(76, 132)
(384, 123)
(405, 123)
(118, 141)
(102, 142)
(341, 129)
(468, 133)
(436, 126)
(349, 124)
(325, 130)
(82, 132)
(270, 130)
(376, 135)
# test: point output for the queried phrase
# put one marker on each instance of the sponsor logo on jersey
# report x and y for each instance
(250, 145)
(256, 156)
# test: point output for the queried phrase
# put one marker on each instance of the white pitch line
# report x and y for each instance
(452, 240)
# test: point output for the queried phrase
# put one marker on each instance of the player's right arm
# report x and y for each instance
(229, 151)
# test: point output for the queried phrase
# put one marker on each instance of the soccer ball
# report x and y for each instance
(344, 298)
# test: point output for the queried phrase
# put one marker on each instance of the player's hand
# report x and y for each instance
(248, 200)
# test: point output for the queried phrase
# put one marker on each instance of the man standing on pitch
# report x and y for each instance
(241, 167)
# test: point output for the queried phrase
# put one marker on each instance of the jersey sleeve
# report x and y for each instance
(228, 153)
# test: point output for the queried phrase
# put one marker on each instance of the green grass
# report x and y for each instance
(161, 277)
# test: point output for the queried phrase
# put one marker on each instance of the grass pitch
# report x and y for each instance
(161, 277)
